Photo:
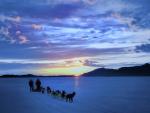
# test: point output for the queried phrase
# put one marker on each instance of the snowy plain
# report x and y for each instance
(94, 95)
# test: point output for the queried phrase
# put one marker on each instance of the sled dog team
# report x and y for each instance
(57, 93)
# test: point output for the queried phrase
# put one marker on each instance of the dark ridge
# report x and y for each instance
(31, 75)
(143, 70)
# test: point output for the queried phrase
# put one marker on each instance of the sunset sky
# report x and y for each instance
(71, 37)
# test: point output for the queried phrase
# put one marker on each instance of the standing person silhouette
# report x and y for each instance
(38, 85)
(31, 85)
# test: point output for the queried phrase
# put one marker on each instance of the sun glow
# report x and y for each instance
(77, 71)
(70, 67)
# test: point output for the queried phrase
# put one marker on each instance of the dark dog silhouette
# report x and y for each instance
(42, 89)
(58, 92)
(63, 94)
(69, 97)
(48, 90)
(54, 93)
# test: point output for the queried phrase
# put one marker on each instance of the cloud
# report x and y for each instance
(93, 63)
(105, 32)
(18, 32)
(10, 18)
(118, 60)
(53, 63)
(4, 31)
(125, 20)
(92, 2)
(36, 26)
(23, 39)
(96, 7)
(143, 48)
(55, 2)
(104, 60)
(5, 35)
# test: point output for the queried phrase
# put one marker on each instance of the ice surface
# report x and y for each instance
(94, 95)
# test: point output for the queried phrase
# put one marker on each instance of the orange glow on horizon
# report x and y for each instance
(74, 67)
(77, 71)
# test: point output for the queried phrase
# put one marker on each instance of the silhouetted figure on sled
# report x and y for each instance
(31, 85)
(38, 87)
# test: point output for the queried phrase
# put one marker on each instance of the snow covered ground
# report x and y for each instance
(94, 95)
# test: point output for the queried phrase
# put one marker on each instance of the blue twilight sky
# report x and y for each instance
(52, 37)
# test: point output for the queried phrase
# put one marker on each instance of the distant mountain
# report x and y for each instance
(30, 75)
(15, 76)
(143, 70)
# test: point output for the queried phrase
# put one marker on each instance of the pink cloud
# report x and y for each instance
(125, 20)
(36, 26)
(17, 19)
(23, 39)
